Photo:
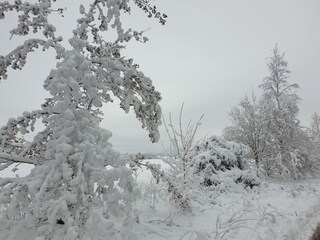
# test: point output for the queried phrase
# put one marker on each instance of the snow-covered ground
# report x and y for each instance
(275, 210)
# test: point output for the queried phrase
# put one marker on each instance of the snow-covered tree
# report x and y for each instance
(279, 106)
(270, 127)
(314, 129)
(314, 141)
(78, 184)
(248, 128)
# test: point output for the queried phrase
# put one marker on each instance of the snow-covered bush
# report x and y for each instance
(172, 188)
(181, 141)
(221, 164)
(152, 192)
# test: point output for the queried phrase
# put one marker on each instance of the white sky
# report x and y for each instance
(208, 55)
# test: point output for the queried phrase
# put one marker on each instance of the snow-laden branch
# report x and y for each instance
(17, 58)
(17, 159)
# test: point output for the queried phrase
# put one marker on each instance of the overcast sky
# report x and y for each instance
(208, 55)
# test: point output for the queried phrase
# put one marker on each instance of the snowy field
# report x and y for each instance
(275, 210)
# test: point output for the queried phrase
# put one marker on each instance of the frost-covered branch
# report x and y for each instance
(151, 10)
(16, 159)
(160, 175)
(35, 17)
(18, 57)
(32, 15)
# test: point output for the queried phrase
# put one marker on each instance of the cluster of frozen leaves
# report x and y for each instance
(78, 184)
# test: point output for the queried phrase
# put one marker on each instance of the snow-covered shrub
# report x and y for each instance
(175, 194)
(152, 192)
(181, 141)
(220, 163)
